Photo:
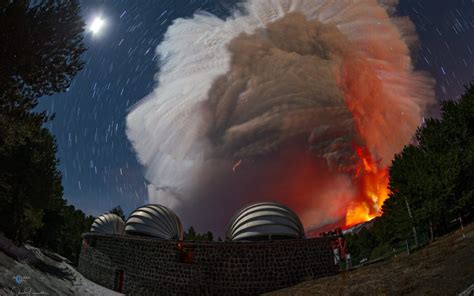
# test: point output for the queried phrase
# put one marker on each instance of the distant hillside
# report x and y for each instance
(317, 231)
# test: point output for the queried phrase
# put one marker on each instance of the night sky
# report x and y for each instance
(100, 170)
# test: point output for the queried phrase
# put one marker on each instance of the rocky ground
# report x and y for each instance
(445, 267)
(35, 273)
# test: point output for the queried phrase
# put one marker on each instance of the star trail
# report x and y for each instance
(99, 166)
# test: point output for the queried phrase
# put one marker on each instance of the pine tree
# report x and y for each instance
(118, 211)
(40, 51)
(39, 55)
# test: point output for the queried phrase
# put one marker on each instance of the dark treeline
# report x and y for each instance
(39, 55)
(119, 212)
(192, 235)
(432, 184)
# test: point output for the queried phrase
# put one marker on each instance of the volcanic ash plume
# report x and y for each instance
(304, 102)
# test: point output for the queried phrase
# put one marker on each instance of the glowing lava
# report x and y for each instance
(372, 181)
(236, 165)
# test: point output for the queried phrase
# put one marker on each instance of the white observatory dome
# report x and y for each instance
(265, 221)
(109, 224)
(155, 221)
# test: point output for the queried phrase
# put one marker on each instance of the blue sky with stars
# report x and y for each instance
(100, 170)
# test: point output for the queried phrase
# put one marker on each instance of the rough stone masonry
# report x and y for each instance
(150, 266)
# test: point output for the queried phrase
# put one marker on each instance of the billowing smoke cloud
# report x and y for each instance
(282, 84)
(270, 104)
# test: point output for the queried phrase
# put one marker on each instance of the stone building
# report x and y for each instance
(265, 250)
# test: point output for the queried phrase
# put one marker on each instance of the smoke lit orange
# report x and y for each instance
(287, 87)
(372, 181)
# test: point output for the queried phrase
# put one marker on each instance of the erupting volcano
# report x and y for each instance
(299, 101)
(372, 182)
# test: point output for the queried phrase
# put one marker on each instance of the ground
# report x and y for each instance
(445, 267)
(41, 275)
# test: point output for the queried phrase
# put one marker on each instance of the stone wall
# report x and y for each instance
(150, 266)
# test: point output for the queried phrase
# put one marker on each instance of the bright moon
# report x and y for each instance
(96, 25)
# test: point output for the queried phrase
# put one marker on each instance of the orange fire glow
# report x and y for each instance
(373, 189)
